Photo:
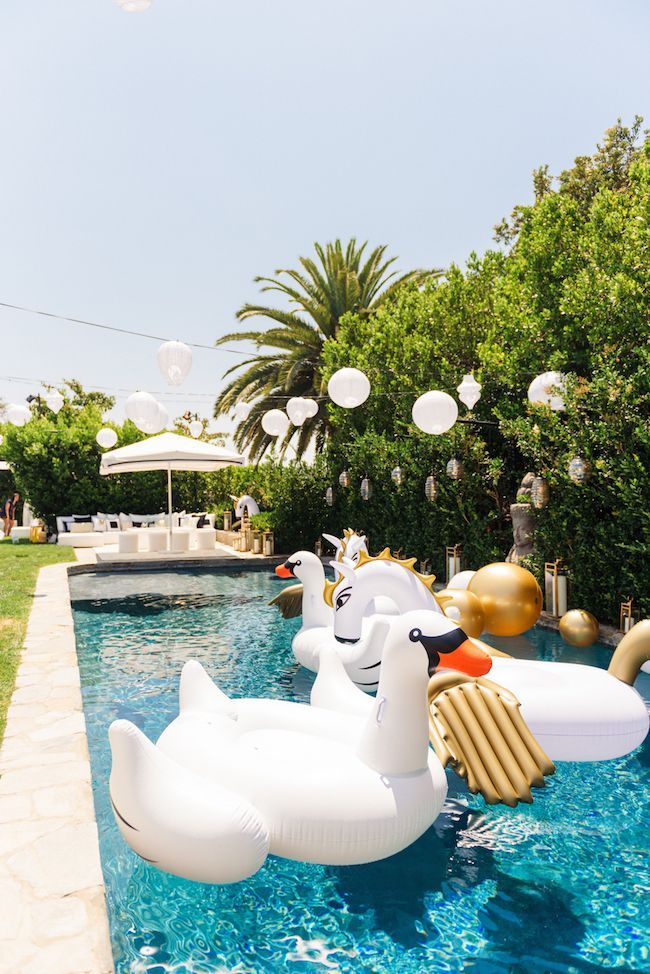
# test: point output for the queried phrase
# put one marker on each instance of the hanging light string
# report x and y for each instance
(120, 331)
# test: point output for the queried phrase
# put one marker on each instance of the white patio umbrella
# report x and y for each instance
(168, 451)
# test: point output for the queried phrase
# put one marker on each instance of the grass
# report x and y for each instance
(19, 566)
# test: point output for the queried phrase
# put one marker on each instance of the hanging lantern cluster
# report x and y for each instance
(299, 409)
(366, 489)
(431, 489)
(469, 391)
(344, 478)
(539, 493)
(455, 469)
(579, 470)
(106, 438)
(175, 362)
(144, 410)
(397, 475)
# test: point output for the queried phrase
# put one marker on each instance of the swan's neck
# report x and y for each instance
(395, 739)
(315, 611)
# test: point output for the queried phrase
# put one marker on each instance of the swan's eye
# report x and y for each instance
(342, 599)
(415, 635)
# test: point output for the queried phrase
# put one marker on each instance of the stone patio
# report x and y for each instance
(53, 918)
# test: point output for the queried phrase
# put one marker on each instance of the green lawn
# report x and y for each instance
(19, 565)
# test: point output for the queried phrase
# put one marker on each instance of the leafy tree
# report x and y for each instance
(342, 279)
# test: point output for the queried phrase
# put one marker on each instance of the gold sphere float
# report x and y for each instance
(579, 628)
(464, 608)
(510, 598)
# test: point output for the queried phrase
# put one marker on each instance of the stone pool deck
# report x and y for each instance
(53, 916)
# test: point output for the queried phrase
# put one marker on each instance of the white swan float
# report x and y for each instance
(230, 781)
(357, 640)
(575, 712)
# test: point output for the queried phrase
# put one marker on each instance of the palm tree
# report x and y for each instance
(318, 294)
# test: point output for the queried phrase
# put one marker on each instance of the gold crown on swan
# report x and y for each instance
(364, 559)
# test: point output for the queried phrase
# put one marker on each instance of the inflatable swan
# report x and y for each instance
(381, 576)
(575, 712)
(231, 781)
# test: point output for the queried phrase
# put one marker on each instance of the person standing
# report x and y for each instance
(9, 512)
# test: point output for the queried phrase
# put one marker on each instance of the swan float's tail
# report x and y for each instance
(476, 726)
(176, 819)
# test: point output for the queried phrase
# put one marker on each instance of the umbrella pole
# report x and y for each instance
(169, 501)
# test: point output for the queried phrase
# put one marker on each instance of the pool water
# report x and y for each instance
(558, 886)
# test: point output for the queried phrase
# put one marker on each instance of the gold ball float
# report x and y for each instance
(510, 598)
(464, 608)
(579, 628)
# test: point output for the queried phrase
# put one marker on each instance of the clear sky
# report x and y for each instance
(151, 164)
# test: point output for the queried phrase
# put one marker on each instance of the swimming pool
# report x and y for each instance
(559, 886)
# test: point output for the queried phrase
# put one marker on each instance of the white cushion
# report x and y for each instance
(99, 524)
(125, 522)
(81, 528)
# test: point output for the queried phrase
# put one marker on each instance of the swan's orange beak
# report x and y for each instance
(284, 571)
(467, 658)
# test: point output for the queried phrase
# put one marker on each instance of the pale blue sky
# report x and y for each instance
(152, 164)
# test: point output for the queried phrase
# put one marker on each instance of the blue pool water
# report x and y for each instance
(559, 886)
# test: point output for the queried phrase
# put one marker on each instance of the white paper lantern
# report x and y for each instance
(106, 438)
(242, 411)
(275, 422)
(469, 391)
(329, 497)
(54, 400)
(547, 390)
(18, 415)
(134, 6)
(348, 388)
(298, 410)
(312, 408)
(435, 412)
(175, 362)
(144, 410)
(196, 428)
(2, 439)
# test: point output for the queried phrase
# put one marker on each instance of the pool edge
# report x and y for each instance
(51, 880)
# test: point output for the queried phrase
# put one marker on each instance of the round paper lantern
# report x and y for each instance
(106, 438)
(430, 488)
(579, 470)
(455, 469)
(143, 410)
(469, 391)
(348, 388)
(275, 422)
(134, 6)
(461, 580)
(196, 428)
(397, 476)
(312, 408)
(579, 628)
(435, 412)
(175, 362)
(510, 597)
(18, 415)
(539, 493)
(163, 418)
(465, 608)
(344, 478)
(547, 390)
(54, 400)
(329, 496)
(242, 411)
(298, 410)
(366, 489)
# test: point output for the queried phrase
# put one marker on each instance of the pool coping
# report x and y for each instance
(54, 918)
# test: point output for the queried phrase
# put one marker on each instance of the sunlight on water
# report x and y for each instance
(559, 886)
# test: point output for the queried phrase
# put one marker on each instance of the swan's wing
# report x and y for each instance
(178, 820)
(199, 692)
(476, 726)
(289, 601)
(334, 690)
